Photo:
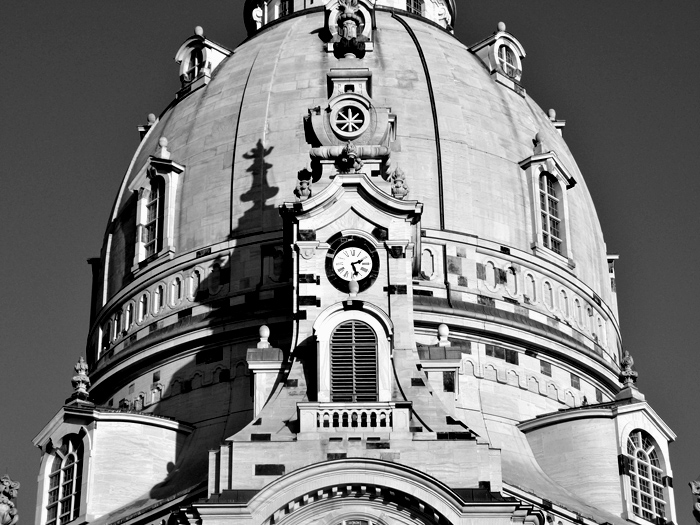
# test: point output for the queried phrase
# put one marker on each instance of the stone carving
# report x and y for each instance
(349, 42)
(8, 492)
(399, 188)
(695, 489)
(303, 190)
(627, 376)
(349, 160)
(80, 381)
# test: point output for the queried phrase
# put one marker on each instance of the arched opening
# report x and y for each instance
(646, 476)
(65, 480)
(353, 349)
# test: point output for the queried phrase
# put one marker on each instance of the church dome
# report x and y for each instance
(354, 244)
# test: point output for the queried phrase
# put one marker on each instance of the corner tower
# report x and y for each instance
(353, 275)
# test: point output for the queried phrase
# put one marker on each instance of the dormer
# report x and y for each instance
(198, 58)
(502, 55)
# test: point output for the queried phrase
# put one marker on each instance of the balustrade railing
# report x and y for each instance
(354, 417)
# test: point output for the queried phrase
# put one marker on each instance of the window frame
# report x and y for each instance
(645, 444)
(382, 326)
(415, 7)
(73, 448)
(162, 175)
(547, 164)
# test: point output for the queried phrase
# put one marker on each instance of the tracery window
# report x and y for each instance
(507, 61)
(550, 212)
(353, 363)
(414, 7)
(646, 476)
(65, 480)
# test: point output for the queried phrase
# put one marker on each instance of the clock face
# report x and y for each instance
(352, 258)
(351, 263)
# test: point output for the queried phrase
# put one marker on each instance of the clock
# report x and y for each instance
(352, 258)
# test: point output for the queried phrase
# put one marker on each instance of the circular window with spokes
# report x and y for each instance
(349, 119)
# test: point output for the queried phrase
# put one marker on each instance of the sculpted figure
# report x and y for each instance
(8, 492)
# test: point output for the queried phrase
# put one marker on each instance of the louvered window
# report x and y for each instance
(353, 363)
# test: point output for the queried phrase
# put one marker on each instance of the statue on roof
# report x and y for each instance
(695, 489)
(8, 492)
(627, 376)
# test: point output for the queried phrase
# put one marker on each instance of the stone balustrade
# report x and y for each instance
(354, 417)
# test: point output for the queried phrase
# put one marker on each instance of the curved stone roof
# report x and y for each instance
(242, 141)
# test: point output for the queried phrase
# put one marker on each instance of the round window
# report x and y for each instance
(349, 119)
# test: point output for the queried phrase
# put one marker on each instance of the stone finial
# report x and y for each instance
(695, 490)
(199, 31)
(8, 492)
(80, 380)
(443, 334)
(501, 26)
(162, 151)
(552, 115)
(349, 160)
(538, 142)
(627, 376)
(399, 188)
(264, 333)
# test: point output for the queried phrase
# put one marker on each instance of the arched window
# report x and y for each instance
(177, 290)
(153, 227)
(195, 64)
(579, 312)
(550, 212)
(159, 299)
(353, 363)
(195, 283)
(506, 59)
(563, 303)
(646, 476)
(531, 288)
(65, 480)
(414, 7)
(548, 295)
(143, 307)
(129, 316)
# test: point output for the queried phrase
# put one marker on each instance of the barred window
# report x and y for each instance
(353, 363)
(550, 213)
(414, 6)
(65, 480)
(646, 476)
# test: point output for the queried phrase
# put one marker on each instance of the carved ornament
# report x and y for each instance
(8, 492)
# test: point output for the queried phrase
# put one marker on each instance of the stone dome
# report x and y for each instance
(462, 139)
(354, 215)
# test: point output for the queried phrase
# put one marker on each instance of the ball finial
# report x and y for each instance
(264, 332)
(151, 119)
(163, 142)
(552, 114)
(501, 26)
(199, 31)
(353, 287)
(443, 334)
(539, 138)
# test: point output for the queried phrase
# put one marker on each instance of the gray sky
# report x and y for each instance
(79, 76)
